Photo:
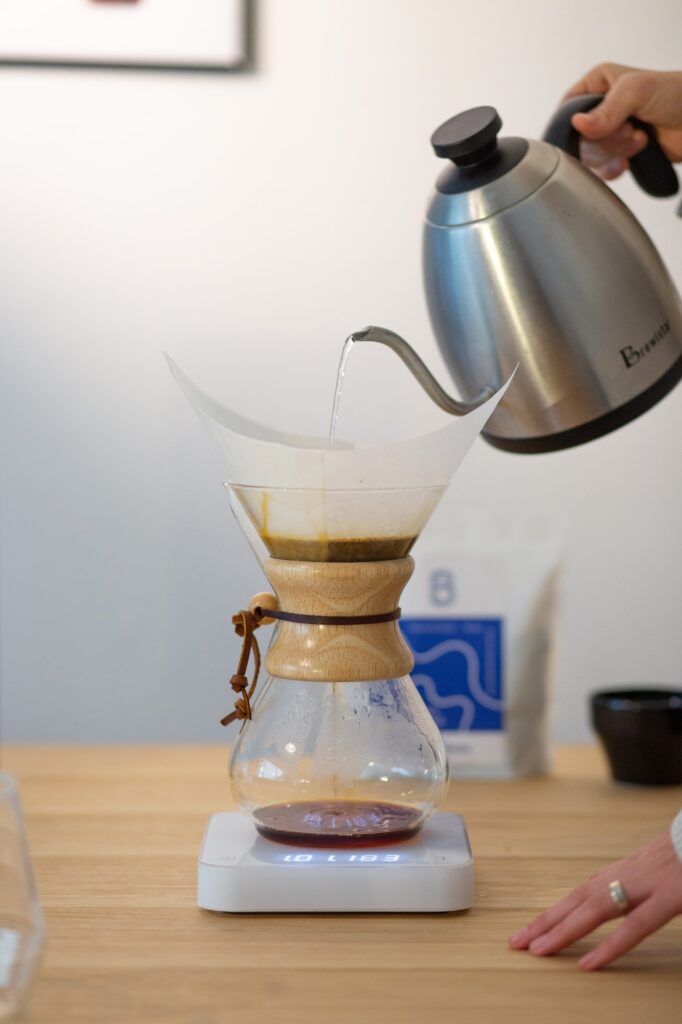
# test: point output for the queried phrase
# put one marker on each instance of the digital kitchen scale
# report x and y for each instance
(242, 872)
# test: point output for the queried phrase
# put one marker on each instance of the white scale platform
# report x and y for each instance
(242, 872)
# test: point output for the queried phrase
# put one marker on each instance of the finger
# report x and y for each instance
(596, 158)
(623, 100)
(642, 921)
(593, 154)
(584, 919)
(622, 135)
(598, 79)
(612, 170)
(547, 919)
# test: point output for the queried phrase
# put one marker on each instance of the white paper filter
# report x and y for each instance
(272, 465)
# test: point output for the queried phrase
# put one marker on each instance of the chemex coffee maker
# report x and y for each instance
(338, 764)
(534, 269)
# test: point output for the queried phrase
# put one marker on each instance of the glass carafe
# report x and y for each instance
(341, 748)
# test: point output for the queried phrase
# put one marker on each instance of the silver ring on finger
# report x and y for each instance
(619, 896)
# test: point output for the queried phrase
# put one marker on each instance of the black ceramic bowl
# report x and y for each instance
(641, 730)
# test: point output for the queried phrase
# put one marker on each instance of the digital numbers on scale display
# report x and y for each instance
(342, 858)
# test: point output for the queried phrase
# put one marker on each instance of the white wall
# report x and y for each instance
(246, 224)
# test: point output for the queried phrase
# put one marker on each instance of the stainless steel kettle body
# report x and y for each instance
(530, 259)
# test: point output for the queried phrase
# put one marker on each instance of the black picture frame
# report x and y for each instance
(245, 64)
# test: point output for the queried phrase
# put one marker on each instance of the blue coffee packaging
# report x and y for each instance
(480, 615)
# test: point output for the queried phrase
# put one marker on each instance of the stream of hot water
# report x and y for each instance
(340, 374)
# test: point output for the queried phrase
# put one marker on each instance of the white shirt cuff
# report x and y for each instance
(676, 834)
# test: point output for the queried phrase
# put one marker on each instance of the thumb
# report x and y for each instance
(621, 101)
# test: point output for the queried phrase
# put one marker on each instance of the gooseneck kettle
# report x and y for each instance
(529, 258)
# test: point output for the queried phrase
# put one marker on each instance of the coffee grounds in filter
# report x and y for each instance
(356, 549)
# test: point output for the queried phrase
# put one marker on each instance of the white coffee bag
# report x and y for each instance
(480, 615)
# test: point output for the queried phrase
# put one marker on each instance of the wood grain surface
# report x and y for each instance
(115, 832)
(347, 653)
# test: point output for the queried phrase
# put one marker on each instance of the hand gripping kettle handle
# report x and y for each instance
(651, 168)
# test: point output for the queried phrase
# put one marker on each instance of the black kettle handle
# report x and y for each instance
(651, 168)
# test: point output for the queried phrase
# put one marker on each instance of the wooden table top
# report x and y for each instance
(114, 835)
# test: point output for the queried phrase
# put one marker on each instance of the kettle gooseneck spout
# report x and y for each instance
(420, 370)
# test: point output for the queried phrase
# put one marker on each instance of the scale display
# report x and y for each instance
(341, 858)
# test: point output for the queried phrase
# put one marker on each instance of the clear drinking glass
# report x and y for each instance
(22, 928)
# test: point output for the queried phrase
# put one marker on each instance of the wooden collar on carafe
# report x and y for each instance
(337, 621)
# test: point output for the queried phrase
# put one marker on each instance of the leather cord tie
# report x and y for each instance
(328, 620)
(245, 623)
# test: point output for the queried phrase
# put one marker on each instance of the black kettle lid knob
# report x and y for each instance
(469, 137)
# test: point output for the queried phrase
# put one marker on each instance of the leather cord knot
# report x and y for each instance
(245, 623)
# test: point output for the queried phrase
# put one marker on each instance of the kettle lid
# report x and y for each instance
(469, 137)
(470, 141)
